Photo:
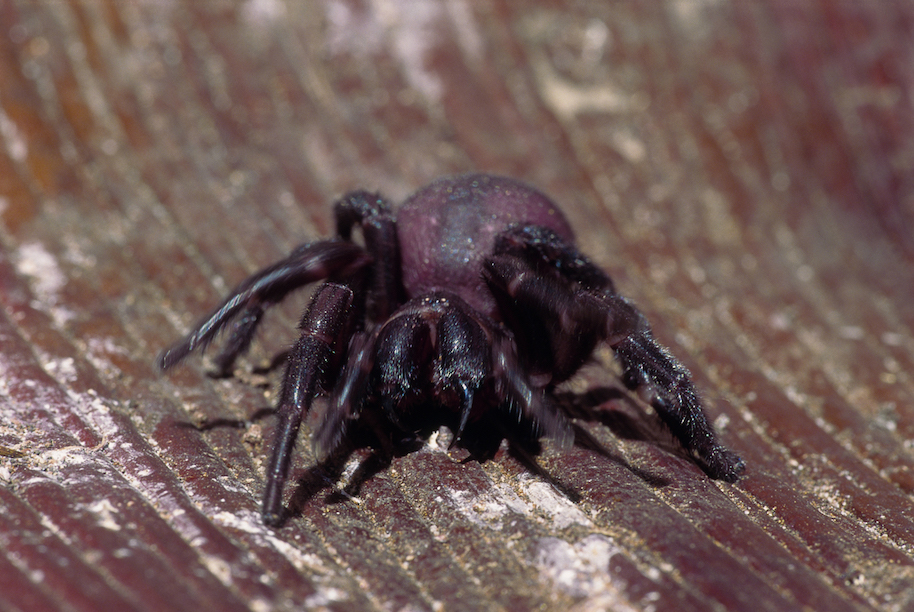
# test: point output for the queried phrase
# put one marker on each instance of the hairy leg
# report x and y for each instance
(549, 290)
(313, 362)
(374, 216)
(662, 381)
(307, 264)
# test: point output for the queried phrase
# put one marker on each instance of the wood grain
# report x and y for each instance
(743, 169)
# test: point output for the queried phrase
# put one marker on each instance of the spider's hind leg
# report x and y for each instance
(374, 216)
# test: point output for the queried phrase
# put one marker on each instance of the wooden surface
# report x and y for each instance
(743, 169)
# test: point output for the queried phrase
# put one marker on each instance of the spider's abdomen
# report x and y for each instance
(447, 229)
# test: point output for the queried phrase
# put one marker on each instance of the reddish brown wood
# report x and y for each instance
(743, 169)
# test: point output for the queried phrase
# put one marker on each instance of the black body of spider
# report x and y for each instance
(468, 299)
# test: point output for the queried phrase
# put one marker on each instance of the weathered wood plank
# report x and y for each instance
(744, 170)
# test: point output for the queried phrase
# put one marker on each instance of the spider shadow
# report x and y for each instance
(217, 371)
(326, 474)
(610, 407)
(483, 440)
(617, 411)
(279, 360)
(381, 448)
(587, 407)
(224, 423)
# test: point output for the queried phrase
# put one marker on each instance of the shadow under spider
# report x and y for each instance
(605, 405)
(481, 439)
(219, 423)
(326, 474)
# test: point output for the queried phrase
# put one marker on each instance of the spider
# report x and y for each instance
(468, 300)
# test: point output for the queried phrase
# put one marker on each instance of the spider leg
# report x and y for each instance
(664, 382)
(556, 330)
(308, 263)
(312, 368)
(240, 339)
(541, 247)
(391, 366)
(346, 400)
(374, 216)
(379, 231)
(524, 399)
(551, 292)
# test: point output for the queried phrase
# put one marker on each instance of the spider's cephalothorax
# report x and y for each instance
(469, 300)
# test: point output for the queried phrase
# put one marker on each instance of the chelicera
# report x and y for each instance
(467, 302)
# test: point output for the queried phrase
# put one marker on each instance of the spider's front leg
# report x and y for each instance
(247, 303)
(550, 291)
(313, 367)
(663, 382)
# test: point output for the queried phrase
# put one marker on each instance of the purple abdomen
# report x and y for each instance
(448, 228)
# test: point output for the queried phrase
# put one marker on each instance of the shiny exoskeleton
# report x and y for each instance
(469, 299)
